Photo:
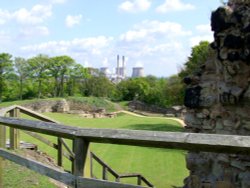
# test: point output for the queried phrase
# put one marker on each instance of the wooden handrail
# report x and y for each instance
(139, 177)
(103, 164)
(107, 168)
(157, 139)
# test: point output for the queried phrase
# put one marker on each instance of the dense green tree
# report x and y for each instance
(39, 70)
(134, 88)
(156, 94)
(22, 69)
(197, 58)
(174, 91)
(77, 79)
(162, 92)
(99, 86)
(5, 68)
(60, 68)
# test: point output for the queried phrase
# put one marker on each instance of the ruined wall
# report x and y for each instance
(218, 100)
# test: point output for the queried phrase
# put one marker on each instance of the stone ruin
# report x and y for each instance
(143, 108)
(218, 99)
(69, 106)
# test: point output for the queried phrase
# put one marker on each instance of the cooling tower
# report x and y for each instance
(138, 72)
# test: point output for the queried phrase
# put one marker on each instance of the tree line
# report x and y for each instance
(44, 77)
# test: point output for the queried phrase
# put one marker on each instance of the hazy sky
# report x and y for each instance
(156, 34)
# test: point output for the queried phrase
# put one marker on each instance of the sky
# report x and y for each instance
(155, 34)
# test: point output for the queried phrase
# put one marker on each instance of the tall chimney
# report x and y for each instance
(123, 61)
(118, 69)
(123, 66)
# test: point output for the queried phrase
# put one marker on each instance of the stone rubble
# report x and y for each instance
(218, 98)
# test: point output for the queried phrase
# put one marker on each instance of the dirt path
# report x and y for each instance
(138, 115)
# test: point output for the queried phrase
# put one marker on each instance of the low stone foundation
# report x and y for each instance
(64, 106)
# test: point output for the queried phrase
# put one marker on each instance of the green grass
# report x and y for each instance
(17, 176)
(123, 121)
(163, 167)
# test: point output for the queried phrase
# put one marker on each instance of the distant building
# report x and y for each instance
(138, 72)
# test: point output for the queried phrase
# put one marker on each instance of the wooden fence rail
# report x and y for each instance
(81, 138)
(77, 156)
(156, 139)
(14, 111)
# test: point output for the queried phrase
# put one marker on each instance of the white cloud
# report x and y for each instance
(105, 62)
(34, 31)
(197, 39)
(38, 14)
(174, 5)
(204, 28)
(4, 16)
(71, 21)
(139, 64)
(135, 6)
(57, 1)
(150, 30)
(204, 33)
(5, 38)
(88, 46)
(160, 46)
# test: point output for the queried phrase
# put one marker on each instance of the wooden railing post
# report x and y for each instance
(105, 173)
(14, 133)
(139, 180)
(91, 165)
(80, 149)
(2, 145)
(117, 179)
(59, 152)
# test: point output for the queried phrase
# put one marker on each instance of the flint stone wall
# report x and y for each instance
(60, 106)
(175, 111)
(218, 100)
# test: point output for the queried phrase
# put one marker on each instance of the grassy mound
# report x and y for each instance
(86, 103)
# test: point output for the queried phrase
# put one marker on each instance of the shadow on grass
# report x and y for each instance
(155, 127)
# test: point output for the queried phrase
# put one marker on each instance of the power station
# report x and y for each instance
(120, 71)
(138, 72)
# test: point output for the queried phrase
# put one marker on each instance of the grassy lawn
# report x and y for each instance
(21, 177)
(163, 167)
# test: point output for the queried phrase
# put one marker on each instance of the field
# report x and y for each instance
(163, 167)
